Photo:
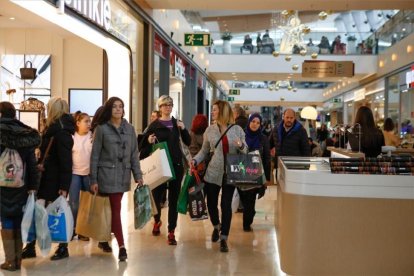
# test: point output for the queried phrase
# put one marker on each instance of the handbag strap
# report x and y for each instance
(221, 137)
(49, 145)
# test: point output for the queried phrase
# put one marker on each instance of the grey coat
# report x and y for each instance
(215, 169)
(114, 155)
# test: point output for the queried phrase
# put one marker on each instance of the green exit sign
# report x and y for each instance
(197, 39)
(230, 99)
(234, 91)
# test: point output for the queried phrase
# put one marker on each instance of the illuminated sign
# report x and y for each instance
(98, 11)
(409, 78)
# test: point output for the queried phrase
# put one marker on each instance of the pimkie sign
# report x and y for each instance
(98, 11)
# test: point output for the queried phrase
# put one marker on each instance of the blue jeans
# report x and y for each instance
(79, 182)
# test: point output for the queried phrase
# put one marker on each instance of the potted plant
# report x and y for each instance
(351, 47)
(369, 44)
(226, 37)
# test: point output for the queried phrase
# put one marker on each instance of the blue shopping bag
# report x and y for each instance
(60, 220)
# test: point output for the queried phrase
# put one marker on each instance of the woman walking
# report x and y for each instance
(114, 156)
(223, 137)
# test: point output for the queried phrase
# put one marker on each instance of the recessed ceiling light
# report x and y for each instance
(12, 18)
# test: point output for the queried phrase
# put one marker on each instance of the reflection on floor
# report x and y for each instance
(253, 253)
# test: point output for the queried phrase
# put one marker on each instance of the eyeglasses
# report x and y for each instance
(167, 105)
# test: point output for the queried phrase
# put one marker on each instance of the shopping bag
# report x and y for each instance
(164, 145)
(235, 202)
(44, 240)
(28, 227)
(142, 206)
(244, 169)
(198, 208)
(60, 220)
(154, 210)
(182, 204)
(156, 169)
(94, 217)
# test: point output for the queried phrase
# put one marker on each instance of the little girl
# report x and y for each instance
(81, 154)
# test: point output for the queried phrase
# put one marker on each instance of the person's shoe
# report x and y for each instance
(83, 238)
(61, 253)
(156, 229)
(10, 266)
(29, 251)
(223, 246)
(18, 262)
(247, 229)
(171, 238)
(105, 247)
(122, 256)
(239, 210)
(215, 236)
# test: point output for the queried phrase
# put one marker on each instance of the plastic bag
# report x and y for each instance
(235, 201)
(28, 221)
(60, 220)
(182, 203)
(44, 240)
(142, 206)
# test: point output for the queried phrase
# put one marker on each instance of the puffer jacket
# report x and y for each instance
(18, 136)
(114, 155)
(57, 174)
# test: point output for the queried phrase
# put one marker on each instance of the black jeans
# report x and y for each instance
(212, 192)
(174, 187)
(248, 199)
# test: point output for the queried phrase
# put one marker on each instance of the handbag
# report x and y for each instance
(210, 156)
(196, 201)
(28, 73)
(94, 216)
(142, 206)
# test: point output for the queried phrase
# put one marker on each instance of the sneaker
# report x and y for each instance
(223, 246)
(105, 247)
(60, 253)
(156, 229)
(171, 238)
(83, 238)
(122, 256)
(215, 236)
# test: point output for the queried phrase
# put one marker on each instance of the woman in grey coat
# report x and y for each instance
(114, 155)
(232, 142)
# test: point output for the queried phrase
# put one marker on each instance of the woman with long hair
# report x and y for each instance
(57, 167)
(170, 130)
(371, 138)
(114, 156)
(17, 136)
(231, 140)
(390, 138)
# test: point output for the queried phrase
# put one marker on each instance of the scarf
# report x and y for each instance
(253, 137)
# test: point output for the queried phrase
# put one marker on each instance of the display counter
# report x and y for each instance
(344, 153)
(343, 224)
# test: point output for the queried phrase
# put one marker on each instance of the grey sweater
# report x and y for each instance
(215, 169)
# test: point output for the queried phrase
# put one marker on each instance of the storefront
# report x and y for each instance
(77, 55)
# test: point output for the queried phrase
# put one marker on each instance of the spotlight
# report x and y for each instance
(388, 16)
(179, 44)
(172, 34)
(366, 22)
(353, 25)
(192, 55)
(188, 53)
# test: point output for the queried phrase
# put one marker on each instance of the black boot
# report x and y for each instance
(61, 252)
(223, 246)
(29, 251)
(122, 256)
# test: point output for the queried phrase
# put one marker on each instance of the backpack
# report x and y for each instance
(11, 169)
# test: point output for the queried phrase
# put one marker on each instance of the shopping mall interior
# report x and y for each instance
(322, 59)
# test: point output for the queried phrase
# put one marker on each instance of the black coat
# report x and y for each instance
(57, 174)
(164, 134)
(372, 140)
(16, 135)
(292, 143)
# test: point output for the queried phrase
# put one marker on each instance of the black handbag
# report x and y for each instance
(28, 73)
(244, 170)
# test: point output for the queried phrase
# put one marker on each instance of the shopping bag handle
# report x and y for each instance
(193, 171)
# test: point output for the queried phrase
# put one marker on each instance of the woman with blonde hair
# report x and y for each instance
(57, 168)
(221, 138)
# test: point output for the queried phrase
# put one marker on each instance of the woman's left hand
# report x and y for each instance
(180, 124)
(238, 143)
(140, 182)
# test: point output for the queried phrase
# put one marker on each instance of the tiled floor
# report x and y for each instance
(253, 253)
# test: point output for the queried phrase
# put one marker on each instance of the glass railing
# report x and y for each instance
(286, 83)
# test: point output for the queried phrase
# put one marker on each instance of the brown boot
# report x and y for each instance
(18, 247)
(7, 236)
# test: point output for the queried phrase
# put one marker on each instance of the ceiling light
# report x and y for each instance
(393, 57)
(409, 49)
(12, 18)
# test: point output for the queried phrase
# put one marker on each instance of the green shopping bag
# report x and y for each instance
(182, 203)
(163, 145)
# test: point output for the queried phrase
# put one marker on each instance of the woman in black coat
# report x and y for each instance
(57, 168)
(16, 135)
(255, 140)
(168, 129)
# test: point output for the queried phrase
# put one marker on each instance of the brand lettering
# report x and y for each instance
(149, 170)
(237, 169)
(99, 11)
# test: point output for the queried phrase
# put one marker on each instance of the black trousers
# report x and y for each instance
(173, 187)
(248, 199)
(212, 192)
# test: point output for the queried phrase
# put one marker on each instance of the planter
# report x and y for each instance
(351, 47)
(226, 47)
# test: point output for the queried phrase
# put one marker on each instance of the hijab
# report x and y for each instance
(253, 137)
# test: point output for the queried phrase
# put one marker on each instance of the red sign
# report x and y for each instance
(159, 47)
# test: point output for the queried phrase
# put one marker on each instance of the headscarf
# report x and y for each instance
(253, 137)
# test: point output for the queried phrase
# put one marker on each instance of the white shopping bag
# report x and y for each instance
(60, 220)
(28, 222)
(156, 169)
(44, 241)
(235, 201)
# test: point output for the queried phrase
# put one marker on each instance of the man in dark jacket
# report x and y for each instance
(290, 137)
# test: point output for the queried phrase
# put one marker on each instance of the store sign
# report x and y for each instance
(409, 78)
(197, 39)
(230, 99)
(179, 69)
(234, 92)
(98, 11)
(359, 94)
(323, 69)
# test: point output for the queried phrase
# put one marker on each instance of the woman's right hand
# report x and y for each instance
(152, 138)
(94, 188)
